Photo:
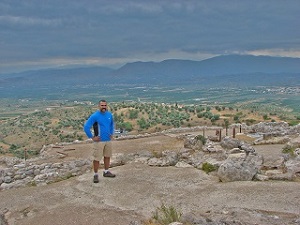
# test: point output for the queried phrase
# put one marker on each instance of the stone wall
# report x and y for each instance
(29, 173)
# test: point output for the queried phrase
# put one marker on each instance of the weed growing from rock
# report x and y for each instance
(164, 215)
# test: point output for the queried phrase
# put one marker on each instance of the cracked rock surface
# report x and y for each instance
(139, 189)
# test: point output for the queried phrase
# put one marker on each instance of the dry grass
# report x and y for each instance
(164, 215)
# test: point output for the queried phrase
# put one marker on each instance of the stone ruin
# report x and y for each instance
(232, 159)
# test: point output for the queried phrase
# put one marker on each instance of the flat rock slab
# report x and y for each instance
(139, 189)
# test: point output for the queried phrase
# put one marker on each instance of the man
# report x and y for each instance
(102, 138)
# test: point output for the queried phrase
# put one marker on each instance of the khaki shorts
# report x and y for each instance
(102, 149)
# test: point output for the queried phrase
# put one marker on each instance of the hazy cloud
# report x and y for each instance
(26, 21)
(116, 32)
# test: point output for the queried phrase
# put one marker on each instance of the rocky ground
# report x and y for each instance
(139, 189)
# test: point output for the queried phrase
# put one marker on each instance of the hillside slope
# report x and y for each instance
(240, 69)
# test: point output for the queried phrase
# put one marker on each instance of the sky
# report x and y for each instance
(37, 34)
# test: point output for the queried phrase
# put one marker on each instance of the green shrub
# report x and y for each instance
(201, 138)
(289, 150)
(207, 167)
(293, 122)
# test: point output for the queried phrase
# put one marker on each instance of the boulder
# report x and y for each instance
(169, 158)
(293, 167)
(193, 143)
(239, 167)
(230, 143)
(294, 143)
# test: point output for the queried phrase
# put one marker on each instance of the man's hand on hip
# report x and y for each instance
(96, 138)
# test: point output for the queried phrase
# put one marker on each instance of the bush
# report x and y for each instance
(207, 167)
(289, 150)
(127, 126)
(265, 117)
(293, 123)
(201, 138)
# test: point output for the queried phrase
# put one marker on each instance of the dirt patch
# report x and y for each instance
(84, 150)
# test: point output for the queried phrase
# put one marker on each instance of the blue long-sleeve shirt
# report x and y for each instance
(105, 125)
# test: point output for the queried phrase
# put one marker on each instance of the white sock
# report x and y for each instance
(105, 171)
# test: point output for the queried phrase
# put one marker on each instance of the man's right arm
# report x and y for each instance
(87, 127)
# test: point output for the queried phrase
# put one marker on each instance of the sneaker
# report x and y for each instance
(108, 174)
(96, 179)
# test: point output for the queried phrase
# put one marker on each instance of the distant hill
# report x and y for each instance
(85, 75)
(242, 68)
(227, 70)
(220, 65)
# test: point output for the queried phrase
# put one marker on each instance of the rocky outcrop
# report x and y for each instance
(269, 129)
(233, 159)
(240, 167)
(293, 143)
(32, 174)
(230, 143)
(168, 158)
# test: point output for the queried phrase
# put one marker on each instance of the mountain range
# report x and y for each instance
(226, 70)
